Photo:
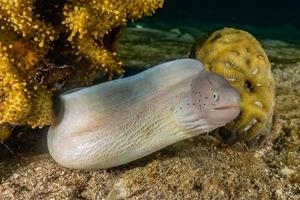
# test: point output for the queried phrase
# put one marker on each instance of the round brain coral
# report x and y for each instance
(239, 57)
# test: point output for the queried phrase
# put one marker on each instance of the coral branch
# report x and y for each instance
(35, 37)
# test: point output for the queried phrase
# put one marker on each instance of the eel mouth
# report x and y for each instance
(227, 107)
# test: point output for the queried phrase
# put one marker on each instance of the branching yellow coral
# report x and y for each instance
(108, 60)
(14, 101)
(41, 108)
(34, 37)
(19, 15)
(239, 57)
(97, 18)
(21, 103)
(89, 21)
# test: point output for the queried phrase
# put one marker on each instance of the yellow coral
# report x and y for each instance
(21, 103)
(89, 21)
(238, 56)
(107, 60)
(14, 101)
(97, 18)
(77, 32)
(19, 15)
(5, 130)
(41, 108)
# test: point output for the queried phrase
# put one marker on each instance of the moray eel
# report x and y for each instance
(119, 121)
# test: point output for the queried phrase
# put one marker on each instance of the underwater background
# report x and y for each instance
(256, 12)
(199, 168)
(274, 22)
(265, 19)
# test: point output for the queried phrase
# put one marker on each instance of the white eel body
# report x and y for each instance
(119, 121)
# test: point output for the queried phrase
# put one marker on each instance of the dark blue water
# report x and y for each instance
(265, 19)
(268, 13)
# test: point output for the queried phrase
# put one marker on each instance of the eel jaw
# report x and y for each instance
(222, 115)
(227, 107)
(232, 111)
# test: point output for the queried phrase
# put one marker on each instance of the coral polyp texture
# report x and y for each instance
(46, 43)
(20, 101)
(239, 57)
(87, 21)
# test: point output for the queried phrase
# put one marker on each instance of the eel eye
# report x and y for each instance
(215, 96)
